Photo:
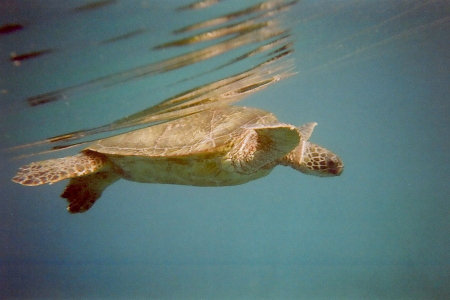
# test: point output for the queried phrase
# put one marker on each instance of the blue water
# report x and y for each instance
(373, 74)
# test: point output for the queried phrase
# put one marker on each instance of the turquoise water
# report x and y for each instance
(373, 75)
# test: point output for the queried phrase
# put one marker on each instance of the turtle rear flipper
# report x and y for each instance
(54, 170)
(82, 192)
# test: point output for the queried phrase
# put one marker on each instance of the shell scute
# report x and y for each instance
(210, 131)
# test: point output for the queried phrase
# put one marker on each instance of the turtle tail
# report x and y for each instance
(54, 170)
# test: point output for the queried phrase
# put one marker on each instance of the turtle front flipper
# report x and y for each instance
(54, 170)
(260, 145)
(82, 192)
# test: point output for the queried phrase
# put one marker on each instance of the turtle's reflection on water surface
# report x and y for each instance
(254, 37)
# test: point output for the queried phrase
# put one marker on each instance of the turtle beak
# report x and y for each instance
(335, 166)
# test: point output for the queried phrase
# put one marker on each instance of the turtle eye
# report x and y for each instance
(331, 163)
(334, 166)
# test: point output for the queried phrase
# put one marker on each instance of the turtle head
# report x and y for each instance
(313, 159)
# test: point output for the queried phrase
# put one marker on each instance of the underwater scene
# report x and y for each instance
(206, 176)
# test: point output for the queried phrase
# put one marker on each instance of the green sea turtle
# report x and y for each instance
(229, 145)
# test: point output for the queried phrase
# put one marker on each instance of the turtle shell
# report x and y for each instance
(209, 131)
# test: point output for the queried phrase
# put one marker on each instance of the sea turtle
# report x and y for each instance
(228, 145)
